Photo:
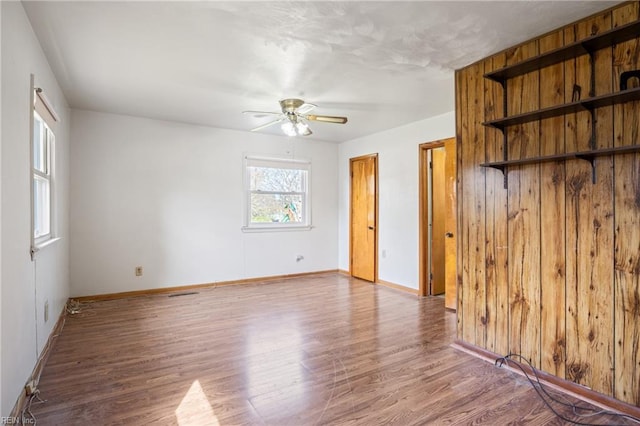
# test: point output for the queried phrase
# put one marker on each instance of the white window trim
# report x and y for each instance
(249, 160)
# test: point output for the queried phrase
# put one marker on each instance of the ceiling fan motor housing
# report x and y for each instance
(289, 106)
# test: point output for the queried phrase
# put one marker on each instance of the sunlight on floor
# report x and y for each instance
(195, 410)
(274, 370)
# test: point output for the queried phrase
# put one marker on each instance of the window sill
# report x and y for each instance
(41, 245)
(275, 229)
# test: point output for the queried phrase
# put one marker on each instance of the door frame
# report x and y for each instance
(376, 198)
(451, 285)
(424, 289)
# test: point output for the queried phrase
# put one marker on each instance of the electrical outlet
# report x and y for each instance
(46, 311)
(138, 271)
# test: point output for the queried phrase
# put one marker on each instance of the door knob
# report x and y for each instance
(371, 227)
(449, 235)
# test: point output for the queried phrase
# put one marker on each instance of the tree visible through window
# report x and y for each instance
(277, 193)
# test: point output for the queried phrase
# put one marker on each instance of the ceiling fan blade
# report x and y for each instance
(327, 119)
(271, 123)
(305, 108)
(261, 113)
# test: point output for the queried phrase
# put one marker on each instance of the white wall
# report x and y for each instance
(169, 197)
(26, 285)
(398, 164)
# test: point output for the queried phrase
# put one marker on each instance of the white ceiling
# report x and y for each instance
(382, 64)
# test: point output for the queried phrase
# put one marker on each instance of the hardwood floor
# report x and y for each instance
(322, 349)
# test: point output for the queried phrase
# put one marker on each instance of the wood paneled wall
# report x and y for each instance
(549, 267)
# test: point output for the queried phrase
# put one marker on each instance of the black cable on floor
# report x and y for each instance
(541, 391)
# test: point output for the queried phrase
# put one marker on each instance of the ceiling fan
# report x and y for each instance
(294, 117)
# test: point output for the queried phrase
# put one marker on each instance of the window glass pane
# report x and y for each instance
(39, 145)
(41, 207)
(276, 208)
(276, 180)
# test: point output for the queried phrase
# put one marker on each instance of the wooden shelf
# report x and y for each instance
(555, 111)
(588, 45)
(573, 50)
(581, 155)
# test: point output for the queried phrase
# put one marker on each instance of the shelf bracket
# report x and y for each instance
(592, 160)
(592, 63)
(592, 141)
(500, 167)
(505, 142)
(503, 169)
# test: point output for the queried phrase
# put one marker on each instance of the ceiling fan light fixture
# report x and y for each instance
(289, 129)
(302, 128)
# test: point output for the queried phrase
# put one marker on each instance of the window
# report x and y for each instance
(43, 140)
(277, 193)
(42, 171)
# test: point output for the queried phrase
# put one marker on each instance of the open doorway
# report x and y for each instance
(438, 220)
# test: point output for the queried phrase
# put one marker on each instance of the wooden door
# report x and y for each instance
(364, 202)
(450, 223)
(437, 221)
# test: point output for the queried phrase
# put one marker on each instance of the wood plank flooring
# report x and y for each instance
(324, 349)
